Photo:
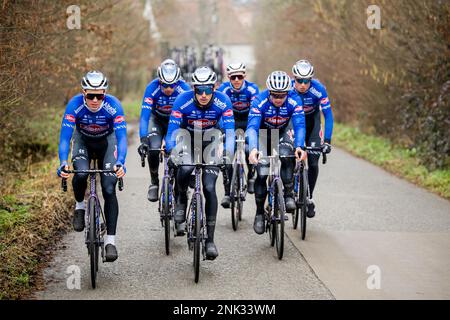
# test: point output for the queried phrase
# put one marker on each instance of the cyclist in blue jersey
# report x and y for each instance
(241, 93)
(100, 133)
(192, 133)
(273, 115)
(157, 104)
(315, 98)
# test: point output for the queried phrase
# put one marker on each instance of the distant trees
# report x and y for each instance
(394, 81)
(42, 62)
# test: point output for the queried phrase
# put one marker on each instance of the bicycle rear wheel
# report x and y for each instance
(235, 197)
(197, 236)
(92, 242)
(298, 199)
(279, 213)
(242, 187)
(166, 214)
(304, 207)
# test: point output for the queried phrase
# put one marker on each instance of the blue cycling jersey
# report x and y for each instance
(240, 99)
(94, 125)
(264, 115)
(186, 115)
(317, 98)
(156, 102)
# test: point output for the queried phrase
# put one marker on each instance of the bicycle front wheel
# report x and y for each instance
(197, 236)
(166, 214)
(235, 196)
(304, 207)
(279, 213)
(92, 241)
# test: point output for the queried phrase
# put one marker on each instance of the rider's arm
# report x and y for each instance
(254, 91)
(254, 123)
(175, 120)
(298, 122)
(228, 124)
(120, 129)
(146, 109)
(67, 126)
(325, 105)
(184, 86)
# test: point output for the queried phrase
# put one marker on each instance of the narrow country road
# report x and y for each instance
(367, 220)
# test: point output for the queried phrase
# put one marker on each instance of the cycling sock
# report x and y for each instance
(260, 205)
(110, 240)
(154, 177)
(80, 205)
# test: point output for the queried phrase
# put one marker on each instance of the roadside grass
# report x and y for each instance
(395, 159)
(132, 109)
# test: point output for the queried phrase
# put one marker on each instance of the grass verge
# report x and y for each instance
(395, 159)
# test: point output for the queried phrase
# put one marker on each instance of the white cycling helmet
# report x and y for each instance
(169, 72)
(234, 68)
(204, 76)
(303, 69)
(279, 81)
(94, 80)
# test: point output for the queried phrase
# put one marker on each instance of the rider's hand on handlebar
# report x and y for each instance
(300, 154)
(326, 148)
(120, 170)
(253, 157)
(60, 171)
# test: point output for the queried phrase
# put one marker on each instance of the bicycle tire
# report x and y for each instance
(166, 215)
(234, 194)
(197, 240)
(241, 188)
(279, 212)
(304, 208)
(297, 203)
(92, 246)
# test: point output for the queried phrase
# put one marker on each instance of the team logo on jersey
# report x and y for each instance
(202, 123)
(276, 120)
(165, 109)
(298, 109)
(239, 105)
(255, 110)
(70, 118)
(228, 113)
(308, 108)
(148, 100)
(94, 128)
(325, 101)
(177, 114)
(119, 119)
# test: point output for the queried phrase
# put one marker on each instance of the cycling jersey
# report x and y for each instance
(157, 103)
(185, 114)
(240, 99)
(264, 115)
(314, 99)
(94, 125)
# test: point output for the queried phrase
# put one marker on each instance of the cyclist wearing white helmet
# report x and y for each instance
(198, 112)
(277, 110)
(241, 93)
(157, 103)
(100, 130)
(315, 98)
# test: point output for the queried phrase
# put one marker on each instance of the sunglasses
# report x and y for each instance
(278, 95)
(165, 85)
(204, 90)
(303, 81)
(91, 96)
(237, 77)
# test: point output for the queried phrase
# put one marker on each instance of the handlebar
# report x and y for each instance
(89, 171)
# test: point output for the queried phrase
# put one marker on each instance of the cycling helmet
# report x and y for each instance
(279, 81)
(204, 76)
(233, 68)
(94, 80)
(303, 69)
(169, 72)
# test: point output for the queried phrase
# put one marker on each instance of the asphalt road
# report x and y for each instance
(367, 221)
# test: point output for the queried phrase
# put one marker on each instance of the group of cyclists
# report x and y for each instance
(178, 118)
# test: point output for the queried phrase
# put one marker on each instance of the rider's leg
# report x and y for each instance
(286, 148)
(209, 179)
(182, 185)
(80, 161)
(260, 196)
(155, 136)
(313, 139)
